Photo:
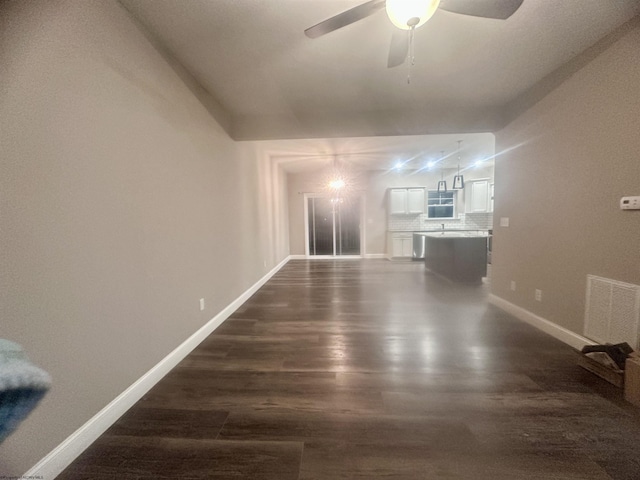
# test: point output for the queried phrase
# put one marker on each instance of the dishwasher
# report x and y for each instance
(418, 247)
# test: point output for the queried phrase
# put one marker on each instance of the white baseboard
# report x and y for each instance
(65, 453)
(567, 336)
(375, 255)
(297, 257)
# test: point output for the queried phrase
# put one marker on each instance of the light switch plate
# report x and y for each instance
(504, 221)
(630, 203)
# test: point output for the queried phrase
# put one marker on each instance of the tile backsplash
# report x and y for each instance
(412, 223)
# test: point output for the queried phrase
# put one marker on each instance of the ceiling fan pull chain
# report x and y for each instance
(411, 59)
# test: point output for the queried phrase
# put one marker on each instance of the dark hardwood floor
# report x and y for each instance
(372, 369)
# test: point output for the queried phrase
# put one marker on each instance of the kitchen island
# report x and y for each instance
(458, 256)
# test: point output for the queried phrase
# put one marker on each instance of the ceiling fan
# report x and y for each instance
(410, 14)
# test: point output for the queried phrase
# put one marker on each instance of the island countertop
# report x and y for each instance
(438, 230)
(456, 234)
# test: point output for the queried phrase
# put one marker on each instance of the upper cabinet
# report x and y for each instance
(478, 196)
(398, 201)
(415, 200)
(403, 201)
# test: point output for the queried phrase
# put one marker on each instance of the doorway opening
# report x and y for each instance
(333, 226)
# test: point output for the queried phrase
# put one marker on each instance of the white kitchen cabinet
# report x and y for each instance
(415, 200)
(477, 196)
(403, 201)
(398, 201)
(491, 195)
(401, 245)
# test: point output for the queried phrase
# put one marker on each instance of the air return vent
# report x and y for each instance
(612, 311)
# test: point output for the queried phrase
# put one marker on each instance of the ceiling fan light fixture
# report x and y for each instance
(407, 14)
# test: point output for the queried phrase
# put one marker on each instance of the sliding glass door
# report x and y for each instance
(333, 226)
(320, 215)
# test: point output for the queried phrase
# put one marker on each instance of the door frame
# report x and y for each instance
(308, 254)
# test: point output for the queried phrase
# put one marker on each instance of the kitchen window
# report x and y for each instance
(441, 204)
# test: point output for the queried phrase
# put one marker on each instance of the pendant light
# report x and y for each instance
(442, 185)
(458, 180)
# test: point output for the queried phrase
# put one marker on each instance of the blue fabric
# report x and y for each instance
(15, 405)
(22, 386)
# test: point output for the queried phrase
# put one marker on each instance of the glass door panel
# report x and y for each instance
(320, 226)
(334, 227)
(348, 225)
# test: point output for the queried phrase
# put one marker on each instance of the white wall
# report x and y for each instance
(122, 203)
(576, 153)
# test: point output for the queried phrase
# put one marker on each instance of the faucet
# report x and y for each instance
(442, 226)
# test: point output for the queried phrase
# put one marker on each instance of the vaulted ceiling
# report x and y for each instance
(264, 79)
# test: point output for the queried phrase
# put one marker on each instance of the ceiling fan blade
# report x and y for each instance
(345, 18)
(399, 48)
(499, 9)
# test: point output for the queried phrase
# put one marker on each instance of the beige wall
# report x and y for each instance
(578, 152)
(122, 203)
(373, 185)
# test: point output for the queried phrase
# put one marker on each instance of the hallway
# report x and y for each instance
(372, 369)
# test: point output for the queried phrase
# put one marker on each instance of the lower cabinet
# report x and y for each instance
(401, 245)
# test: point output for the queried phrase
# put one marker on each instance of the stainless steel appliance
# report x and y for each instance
(418, 246)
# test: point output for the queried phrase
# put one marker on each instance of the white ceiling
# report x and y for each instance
(413, 152)
(272, 82)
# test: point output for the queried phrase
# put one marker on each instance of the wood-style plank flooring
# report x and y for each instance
(372, 369)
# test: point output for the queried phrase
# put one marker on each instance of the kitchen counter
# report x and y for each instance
(458, 256)
(434, 230)
(411, 243)
(419, 238)
(456, 234)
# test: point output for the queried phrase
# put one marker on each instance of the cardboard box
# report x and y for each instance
(614, 376)
(632, 380)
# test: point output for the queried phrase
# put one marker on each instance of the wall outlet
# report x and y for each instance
(538, 295)
(630, 203)
(201, 304)
(513, 285)
(504, 221)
